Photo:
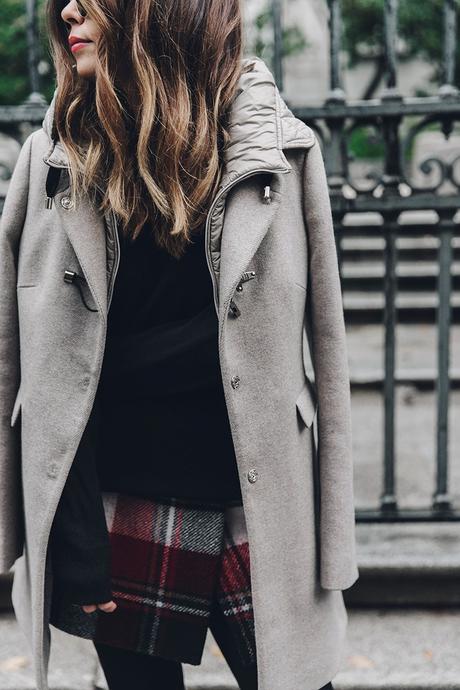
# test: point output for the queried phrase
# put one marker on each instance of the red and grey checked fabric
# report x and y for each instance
(170, 562)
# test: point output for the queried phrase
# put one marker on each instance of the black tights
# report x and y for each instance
(123, 668)
(120, 666)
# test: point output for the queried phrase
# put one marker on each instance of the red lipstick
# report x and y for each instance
(76, 43)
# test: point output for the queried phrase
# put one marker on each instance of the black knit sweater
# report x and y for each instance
(159, 424)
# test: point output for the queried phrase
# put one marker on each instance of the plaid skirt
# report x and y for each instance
(172, 560)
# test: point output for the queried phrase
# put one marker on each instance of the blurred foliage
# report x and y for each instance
(14, 75)
(420, 29)
(262, 44)
(13, 54)
(364, 143)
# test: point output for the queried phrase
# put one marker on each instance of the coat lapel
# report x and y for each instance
(239, 218)
(245, 223)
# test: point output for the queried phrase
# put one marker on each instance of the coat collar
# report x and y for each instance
(260, 127)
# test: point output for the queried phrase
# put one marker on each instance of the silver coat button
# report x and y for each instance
(52, 469)
(85, 381)
(252, 476)
(66, 202)
(235, 381)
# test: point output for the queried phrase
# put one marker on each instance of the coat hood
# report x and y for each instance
(261, 126)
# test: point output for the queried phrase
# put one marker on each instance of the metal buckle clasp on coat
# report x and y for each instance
(247, 275)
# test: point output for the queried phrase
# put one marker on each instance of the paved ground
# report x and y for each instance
(386, 649)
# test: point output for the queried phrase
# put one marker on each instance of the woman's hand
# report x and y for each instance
(107, 606)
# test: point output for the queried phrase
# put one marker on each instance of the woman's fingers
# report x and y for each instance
(89, 608)
(107, 607)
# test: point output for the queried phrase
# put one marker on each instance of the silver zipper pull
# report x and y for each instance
(74, 277)
(267, 196)
(49, 202)
(70, 276)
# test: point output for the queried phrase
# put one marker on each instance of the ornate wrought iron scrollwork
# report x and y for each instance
(445, 168)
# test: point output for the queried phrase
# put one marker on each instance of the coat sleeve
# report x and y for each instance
(79, 539)
(12, 531)
(325, 325)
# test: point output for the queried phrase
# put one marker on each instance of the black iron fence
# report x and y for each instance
(388, 192)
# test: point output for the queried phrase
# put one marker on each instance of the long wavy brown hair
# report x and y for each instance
(160, 160)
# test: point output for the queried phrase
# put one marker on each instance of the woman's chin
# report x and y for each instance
(85, 68)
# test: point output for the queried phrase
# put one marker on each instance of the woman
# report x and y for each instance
(168, 266)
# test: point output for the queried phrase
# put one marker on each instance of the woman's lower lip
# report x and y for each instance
(77, 46)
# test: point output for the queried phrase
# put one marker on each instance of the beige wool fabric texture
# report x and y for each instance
(292, 432)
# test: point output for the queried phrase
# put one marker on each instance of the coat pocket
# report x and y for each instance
(306, 403)
(16, 407)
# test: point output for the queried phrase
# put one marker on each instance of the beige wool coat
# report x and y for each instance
(291, 430)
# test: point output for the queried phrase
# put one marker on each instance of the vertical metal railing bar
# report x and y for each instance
(391, 41)
(441, 499)
(391, 180)
(450, 42)
(32, 45)
(336, 151)
(388, 498)
(278, 44)
(335, 45)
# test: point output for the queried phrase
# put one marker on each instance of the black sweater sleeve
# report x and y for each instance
(79, 538)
